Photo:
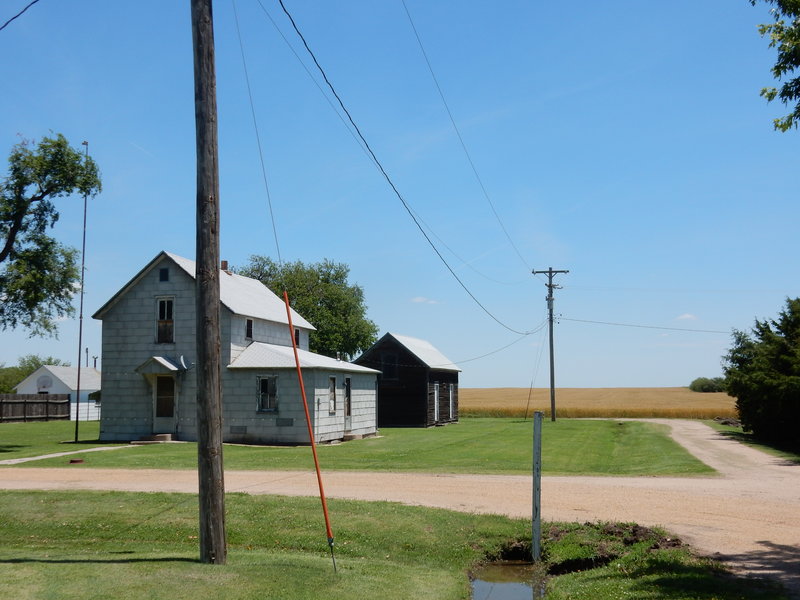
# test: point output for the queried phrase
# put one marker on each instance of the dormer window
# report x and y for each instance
(248, 329)
(165, 324)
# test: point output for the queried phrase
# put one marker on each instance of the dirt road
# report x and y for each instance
(749, 514)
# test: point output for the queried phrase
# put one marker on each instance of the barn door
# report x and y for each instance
(164, 405)
(436, 402)
(451, 402)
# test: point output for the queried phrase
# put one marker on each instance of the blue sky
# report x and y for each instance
(624, 141)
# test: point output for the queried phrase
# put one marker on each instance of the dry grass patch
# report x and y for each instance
(673, 402)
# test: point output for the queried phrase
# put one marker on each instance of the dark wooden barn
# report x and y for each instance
(418, 385)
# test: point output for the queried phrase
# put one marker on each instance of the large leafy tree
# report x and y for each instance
(784, 34)
(39, 275)
(321, 293)
(762, 371)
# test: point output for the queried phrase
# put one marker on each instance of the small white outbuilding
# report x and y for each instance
(54, 379)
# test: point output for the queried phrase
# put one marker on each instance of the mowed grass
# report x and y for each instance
(670, 403)
(475, 445)
(99, 545)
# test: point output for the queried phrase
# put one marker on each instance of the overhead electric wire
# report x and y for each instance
(389, 179)
(258, 137)
(311, 76)
(19, 14)
(540, 327)
(643, 326)
(460, 137)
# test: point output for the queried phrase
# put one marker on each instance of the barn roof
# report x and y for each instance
(90, 378)
(425, 352)
(241, 295)
(260, 355)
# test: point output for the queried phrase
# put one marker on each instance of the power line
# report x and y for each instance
(460, 138)
(366, 153)
(644, 326)
(258, 137)
(312, 78)
(389, 179)
(19, 14)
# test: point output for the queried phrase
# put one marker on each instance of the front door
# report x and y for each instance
(164, 405)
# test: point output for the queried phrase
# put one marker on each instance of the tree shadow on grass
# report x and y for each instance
(11, 447)
(103, 561)
(791, 454)
(767, 574)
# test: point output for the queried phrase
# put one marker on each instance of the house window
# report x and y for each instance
(267, 394)
(348, 397)
(165, 327)
(297, 337)
(332, 394)
(163, 274)
(248, 329)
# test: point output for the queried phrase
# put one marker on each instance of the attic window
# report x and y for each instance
(297, 337)
(248, 329)
(163, 274)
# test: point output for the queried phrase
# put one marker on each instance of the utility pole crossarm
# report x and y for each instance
(550, 287)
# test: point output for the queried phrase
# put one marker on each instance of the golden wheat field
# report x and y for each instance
(669, 402)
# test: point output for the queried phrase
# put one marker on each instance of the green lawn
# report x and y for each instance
(475, 445)
(100, 545)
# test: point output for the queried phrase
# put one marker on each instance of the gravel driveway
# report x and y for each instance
(748, 515)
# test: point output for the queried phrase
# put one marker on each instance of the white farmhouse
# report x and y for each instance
(55, 379)
(149, 375)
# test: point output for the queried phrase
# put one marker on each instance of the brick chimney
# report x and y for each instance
(224, 265)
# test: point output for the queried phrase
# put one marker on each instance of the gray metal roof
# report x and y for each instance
(246, 296)
(90, 378)
(426, 352)
(241, 295)
(259, 355)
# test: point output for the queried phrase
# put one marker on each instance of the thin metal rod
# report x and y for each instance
(310, 430)
(80, 315)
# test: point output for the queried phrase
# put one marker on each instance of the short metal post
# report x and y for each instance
(536, 539)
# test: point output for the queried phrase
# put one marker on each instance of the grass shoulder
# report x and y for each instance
(475, 445)
(96, 545)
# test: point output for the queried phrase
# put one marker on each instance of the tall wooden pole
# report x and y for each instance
(209, 390)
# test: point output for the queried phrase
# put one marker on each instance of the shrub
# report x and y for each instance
(708, 384)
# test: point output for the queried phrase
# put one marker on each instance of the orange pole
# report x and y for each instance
(310, 430)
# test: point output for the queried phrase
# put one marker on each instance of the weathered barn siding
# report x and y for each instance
(407, 385)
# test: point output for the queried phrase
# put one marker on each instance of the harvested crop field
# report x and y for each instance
(671, 402)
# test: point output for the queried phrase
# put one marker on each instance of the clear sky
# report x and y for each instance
(624, 141)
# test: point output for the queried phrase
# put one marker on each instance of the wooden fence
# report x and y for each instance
(34, 407)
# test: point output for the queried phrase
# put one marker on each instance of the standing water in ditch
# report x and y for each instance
(508, 581)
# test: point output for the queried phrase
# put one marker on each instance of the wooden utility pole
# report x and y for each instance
(550, 287)
(209, 390)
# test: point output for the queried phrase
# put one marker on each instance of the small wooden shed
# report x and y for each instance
(418, 385)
